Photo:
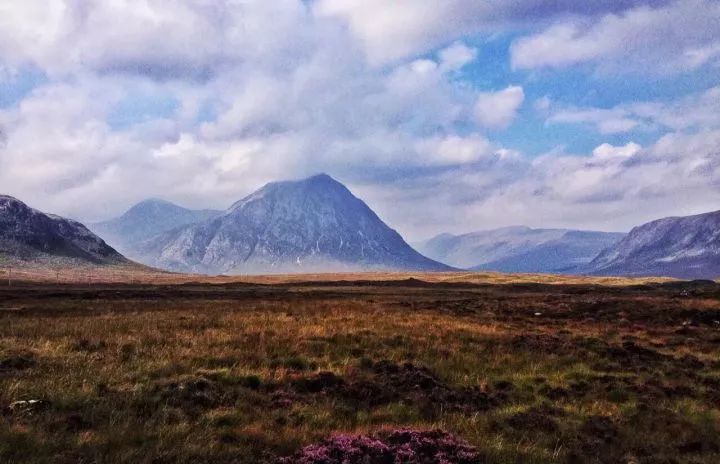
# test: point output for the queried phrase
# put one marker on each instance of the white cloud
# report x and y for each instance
(673, 38)
(455, 149)
(172, 39)
(390, 31)
(615, 189)
(696, 57)
(497, 110)
(610, 151)
(456, 56)
(255, 105)
(607, 121)
(692, 112)
(273, 116)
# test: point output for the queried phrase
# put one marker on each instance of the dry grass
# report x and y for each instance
(231, 373)
(134, 273)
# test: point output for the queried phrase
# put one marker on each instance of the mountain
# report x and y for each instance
(519, 249)
(564, 255)
(27, 234)
(311, 225)
(683, 247)
(146, 220)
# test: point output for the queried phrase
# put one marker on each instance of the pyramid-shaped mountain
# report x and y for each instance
(312, 225)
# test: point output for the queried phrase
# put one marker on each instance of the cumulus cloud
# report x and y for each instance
(497, 110)
(676, 37)
(171, 39)
(607, 150)
(456, 149)
(615, 189)
(282, 106)
(390, 31)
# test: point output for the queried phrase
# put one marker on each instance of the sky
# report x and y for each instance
(449, 116)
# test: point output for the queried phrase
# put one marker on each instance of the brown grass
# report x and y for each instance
(134, 273)
(231, 372)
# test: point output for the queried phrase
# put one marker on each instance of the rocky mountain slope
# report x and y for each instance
(685, 247)
(311, 225)
(146, 220)
(27, 234)
(519, 249)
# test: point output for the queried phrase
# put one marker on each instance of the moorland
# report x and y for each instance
(532, 370)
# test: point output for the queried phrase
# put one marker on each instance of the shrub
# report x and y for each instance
(402, 446)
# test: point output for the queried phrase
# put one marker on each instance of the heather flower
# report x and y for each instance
(403, 446)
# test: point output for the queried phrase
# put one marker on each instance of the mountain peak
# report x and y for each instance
(145, 220)
(7, 199)
(154, 201)
(152, 204)
(317, 180)
(321, 177)
(308, 225)
(321, 184)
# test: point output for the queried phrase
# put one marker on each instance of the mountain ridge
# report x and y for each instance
(519, 249)
(676, 246)
(27, 234)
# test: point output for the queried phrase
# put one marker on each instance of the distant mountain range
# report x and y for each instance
(29, 235)
(684, 247)
(519, 249)
(311, 225)
(318, 225)
(146, 220)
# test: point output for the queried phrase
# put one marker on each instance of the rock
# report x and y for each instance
(28, 407)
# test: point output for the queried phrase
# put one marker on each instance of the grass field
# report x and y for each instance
(528, 369)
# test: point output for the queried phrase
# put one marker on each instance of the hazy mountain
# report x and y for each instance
(685, 247)
(146, 220)
(519, 249)
(567, 254)
(314, 224)
(29, 235)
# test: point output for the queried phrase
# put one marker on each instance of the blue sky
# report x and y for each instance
(597, 115)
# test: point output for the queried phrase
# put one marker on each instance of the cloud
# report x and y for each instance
(172, 39)
(259, 117)
(609, 151)
(692, 112)
(607, 121)
(390, 31)
(615, 188)
(672, 38)
(456, 149)
(202, 102)
(456, 56)
(497, 110)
